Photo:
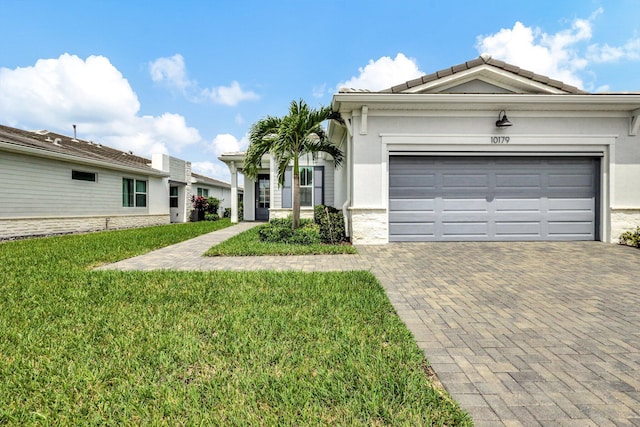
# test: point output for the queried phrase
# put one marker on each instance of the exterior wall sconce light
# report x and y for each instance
(503, 122)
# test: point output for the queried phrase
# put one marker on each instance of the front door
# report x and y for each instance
(263, 198)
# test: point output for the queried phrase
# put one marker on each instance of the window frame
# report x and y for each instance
(174, 198)
(131, 195)
(307, 172)
(78, 175)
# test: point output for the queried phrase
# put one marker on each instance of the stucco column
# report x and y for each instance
(234, 192)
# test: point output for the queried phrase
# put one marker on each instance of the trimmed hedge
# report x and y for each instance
(331, 223)
(279, 230)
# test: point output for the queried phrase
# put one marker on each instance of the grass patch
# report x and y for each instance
(82, 347)
(248, 243)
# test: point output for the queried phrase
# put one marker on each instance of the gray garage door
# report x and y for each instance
(492, 198)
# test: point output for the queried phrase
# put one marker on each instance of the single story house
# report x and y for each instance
(209, 187)
(481, 151)
(52, 183)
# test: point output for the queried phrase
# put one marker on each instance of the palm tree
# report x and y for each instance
(288, 138)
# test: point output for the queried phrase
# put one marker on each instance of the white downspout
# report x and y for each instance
(347, 203)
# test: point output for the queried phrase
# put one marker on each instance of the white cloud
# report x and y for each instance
(604, 53)
(229, 95)
(384, 73)
(170, 71)
(563, 55)
(319, 91)
(216, 170)
(553, 55)
(92, 93)
(227, 143)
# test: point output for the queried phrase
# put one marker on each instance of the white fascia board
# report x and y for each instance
(392, 101)
(7, 146)
(490, 75)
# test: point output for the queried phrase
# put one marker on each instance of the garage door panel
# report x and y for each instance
(572, 205)
(465, 228)
(499, 198)
(403, 230)
(462, 180)
(518, 181)
(411, 193)
(413, 180)
(571, 180)
(464, 205)
(518, 228)
(412, 205)
(517, 205)
(410, 217)
(571, 228)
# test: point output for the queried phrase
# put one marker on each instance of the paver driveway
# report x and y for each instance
(524, 333)
(518, 333)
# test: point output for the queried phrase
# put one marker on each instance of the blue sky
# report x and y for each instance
(190, 77)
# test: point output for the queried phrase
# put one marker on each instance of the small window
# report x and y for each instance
(306, 186)
(134, 193)
(141, 193)
(173, 197)
(83, 176)
(204, 192)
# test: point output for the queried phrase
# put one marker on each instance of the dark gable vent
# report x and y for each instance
(83, 176)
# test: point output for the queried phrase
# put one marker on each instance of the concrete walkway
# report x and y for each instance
(518, 333)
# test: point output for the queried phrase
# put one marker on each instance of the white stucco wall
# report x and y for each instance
(471, 131)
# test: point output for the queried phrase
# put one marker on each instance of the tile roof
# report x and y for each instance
(56, 143)
(478, 62)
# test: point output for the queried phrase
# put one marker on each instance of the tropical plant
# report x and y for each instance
(288, 138)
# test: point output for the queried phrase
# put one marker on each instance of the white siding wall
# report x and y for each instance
(39, 197)
(221, 193)
(32, 186)
(329, 178)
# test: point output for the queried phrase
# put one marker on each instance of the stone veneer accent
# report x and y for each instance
(43, 226)
(623, 220)
(283, 213)
(369, 226)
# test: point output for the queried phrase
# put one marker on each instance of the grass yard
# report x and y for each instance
(82, 347)
(248, 244)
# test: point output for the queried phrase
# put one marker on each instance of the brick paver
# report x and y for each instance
(518, 333)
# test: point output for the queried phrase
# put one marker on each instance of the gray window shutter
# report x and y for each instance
(286, 189)
(318, 185)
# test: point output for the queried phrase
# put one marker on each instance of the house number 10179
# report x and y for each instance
(499, 139)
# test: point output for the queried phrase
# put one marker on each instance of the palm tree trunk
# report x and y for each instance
(295, 222)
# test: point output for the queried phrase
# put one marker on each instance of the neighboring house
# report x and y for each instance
(52, 183)
(482, 151)
(208, 187)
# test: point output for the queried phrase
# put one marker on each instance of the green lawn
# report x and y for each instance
(83, 347)
(248, 243)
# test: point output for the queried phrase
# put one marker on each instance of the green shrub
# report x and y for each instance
(274, 234)
(321, 210)
(214, 204)
(278, 230)
(227, 213)
(309, 234)
(331, 223)
(211, 217)
(631, 238)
